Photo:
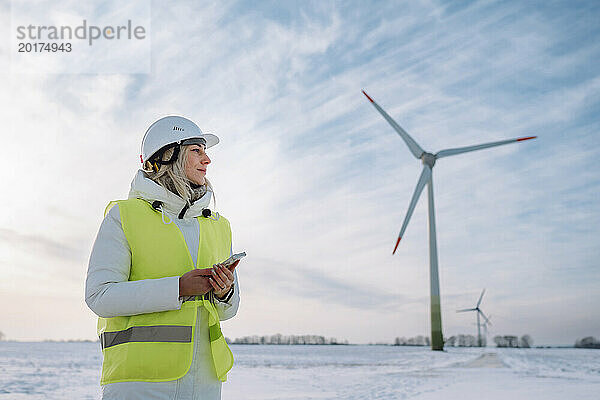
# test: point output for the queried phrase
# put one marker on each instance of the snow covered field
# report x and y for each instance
(71, 371)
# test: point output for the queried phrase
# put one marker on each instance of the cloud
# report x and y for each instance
(303, 281)
(38, 244)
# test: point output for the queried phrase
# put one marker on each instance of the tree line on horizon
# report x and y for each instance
(588, 342)
(452, 341)
(526, 341)
(285, 339)
(467, 341)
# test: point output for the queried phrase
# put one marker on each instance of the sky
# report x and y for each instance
(314, 181)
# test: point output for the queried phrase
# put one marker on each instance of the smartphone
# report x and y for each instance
(227, 263)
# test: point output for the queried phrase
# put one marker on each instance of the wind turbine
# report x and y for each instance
(428, 160)
(487, 320)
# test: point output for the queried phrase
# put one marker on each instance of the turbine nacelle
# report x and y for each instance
(428, 159)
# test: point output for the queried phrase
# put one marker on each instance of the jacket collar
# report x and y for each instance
(142, 187)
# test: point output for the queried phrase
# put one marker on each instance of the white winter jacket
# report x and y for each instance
(108, 293)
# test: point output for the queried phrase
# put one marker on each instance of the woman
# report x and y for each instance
(150, 278)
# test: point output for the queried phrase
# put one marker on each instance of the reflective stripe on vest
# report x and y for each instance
(159, 333)
(157, 347)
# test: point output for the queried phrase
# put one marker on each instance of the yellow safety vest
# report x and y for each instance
(157, 347)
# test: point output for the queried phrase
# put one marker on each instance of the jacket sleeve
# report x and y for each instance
(108, 291)
(229, 308)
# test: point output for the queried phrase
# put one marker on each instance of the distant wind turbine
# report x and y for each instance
(479, 312)
(428, 160)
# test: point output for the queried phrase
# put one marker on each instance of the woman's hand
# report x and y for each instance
(222, 279)
(194, 283)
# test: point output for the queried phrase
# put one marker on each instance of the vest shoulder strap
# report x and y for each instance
(142, 203)
(127, 201)
(110, 205)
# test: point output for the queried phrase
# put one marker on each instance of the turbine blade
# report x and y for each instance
(480, 297)
(487, 321)
(410, 142)
(423, 179)
(467, 309)
(459, 150)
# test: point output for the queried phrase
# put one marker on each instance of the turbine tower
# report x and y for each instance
(428, 160)
(479, 312)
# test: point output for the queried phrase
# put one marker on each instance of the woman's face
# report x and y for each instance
(196, 163)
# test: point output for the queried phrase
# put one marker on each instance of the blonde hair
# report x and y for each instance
(172, 177)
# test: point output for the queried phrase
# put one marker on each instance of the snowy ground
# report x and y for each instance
(489, 377)
(381, 372)
(71, 371)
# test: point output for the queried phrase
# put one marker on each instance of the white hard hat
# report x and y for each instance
(172, 130)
